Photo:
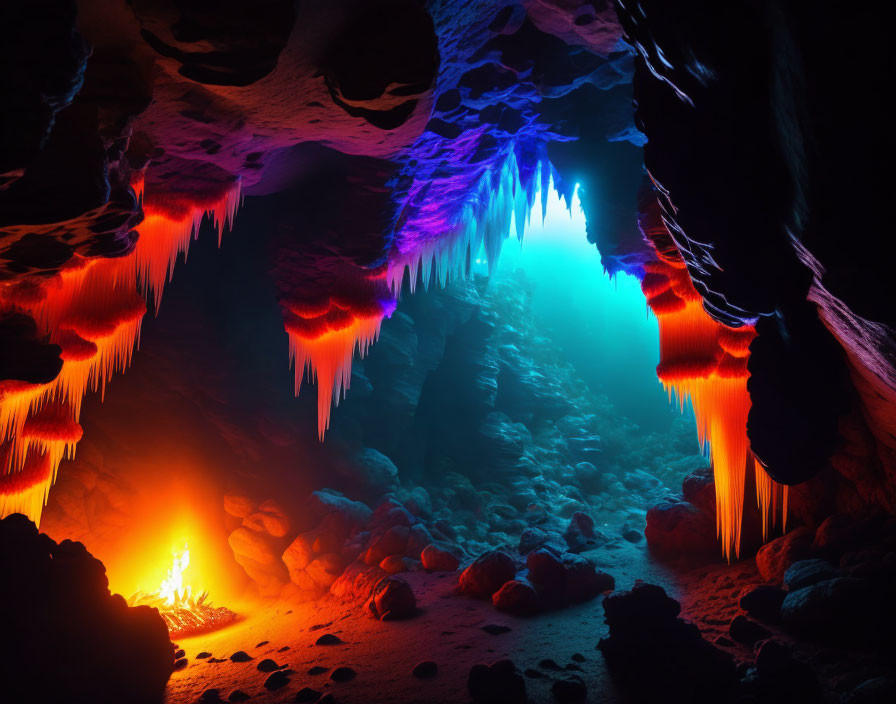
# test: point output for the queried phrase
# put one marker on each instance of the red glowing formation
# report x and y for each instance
(705, 363)
(92, 309)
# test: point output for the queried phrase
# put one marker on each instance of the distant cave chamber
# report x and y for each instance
(427, 443)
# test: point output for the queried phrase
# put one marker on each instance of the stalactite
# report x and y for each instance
(704, 363)
(93, 309)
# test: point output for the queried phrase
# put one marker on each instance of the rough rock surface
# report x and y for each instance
(72, 638)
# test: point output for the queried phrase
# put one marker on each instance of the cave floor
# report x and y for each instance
(447, 631)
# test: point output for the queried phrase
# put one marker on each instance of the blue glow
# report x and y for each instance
(601, 325)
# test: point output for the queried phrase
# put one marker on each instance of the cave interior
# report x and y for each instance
(535, 351)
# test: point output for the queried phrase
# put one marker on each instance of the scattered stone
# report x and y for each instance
(179, 654)
(241, 656)
(573, 666)
(425, 670)
(328, 639)
(283, 649)
(763, 602)
(805, 573)
(496, 629)
(499, 683)
(392, 599)
(548, 664)
(327, 699)
(268, 665)
(320, 626)
(343, 674)
(438, 557)
(318, 670)
(238, 695)
(578, 657)
(487, 574)
(534, 674)
(517, 597)
(210, 696)
(632, 535)
(217, 660)
(276, 680)
(395, 564)
(532, 539)
(203, 655)
(263, 643)
(743, 630)
(180, 664)
(570, 689)
(306, 694)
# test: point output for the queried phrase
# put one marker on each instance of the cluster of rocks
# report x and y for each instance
(836, 581)
(549, 578)
(70, 639)
(337, 533)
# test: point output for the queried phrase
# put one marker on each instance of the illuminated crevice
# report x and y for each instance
(93, 309)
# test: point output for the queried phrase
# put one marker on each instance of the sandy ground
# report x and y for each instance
(448, 631)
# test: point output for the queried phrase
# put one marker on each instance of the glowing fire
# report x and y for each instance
(184, 615)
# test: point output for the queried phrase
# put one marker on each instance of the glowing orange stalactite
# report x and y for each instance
(93, 309)
(323, 345)
(705, 363)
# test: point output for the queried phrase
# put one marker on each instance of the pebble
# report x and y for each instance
(328, 639)
(343, 674)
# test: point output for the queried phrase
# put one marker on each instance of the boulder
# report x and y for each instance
(677, 528)
(439, 557)
(805, 573)
(271, 519)
(238, 505)
(579, 534)
(259, 555)
(487, 574)
(656, 656)
(776, 556)
(71, 639)
(517, 597)
(844, 609)
(392, 598)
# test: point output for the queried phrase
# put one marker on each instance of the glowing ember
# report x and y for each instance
(184, 615)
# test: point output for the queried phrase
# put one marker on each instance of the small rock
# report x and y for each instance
(283, 649)
(210, 696)
(392, 599)
(241, 656)
(180, 664)
(743, 630)
(328, 639)
(425, 670)
(306, 694)
(548, 664)
(496, 629)
(532, 539)
(516, 597)
(437, 557)
(343, 674)
(203, 655)
(488, 573)
(570, 689)
(499, 683)
(238, 695)
(179, 654)
(268, 665)
(578, 657)
(318, 670)
(534, 674)
(263, 643)
(277, 680)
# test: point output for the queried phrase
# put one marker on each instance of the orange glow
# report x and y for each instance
(93, 309)
(705, 363)
(323, 346)
(184, 614)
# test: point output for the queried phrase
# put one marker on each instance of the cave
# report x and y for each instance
(446, 351)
